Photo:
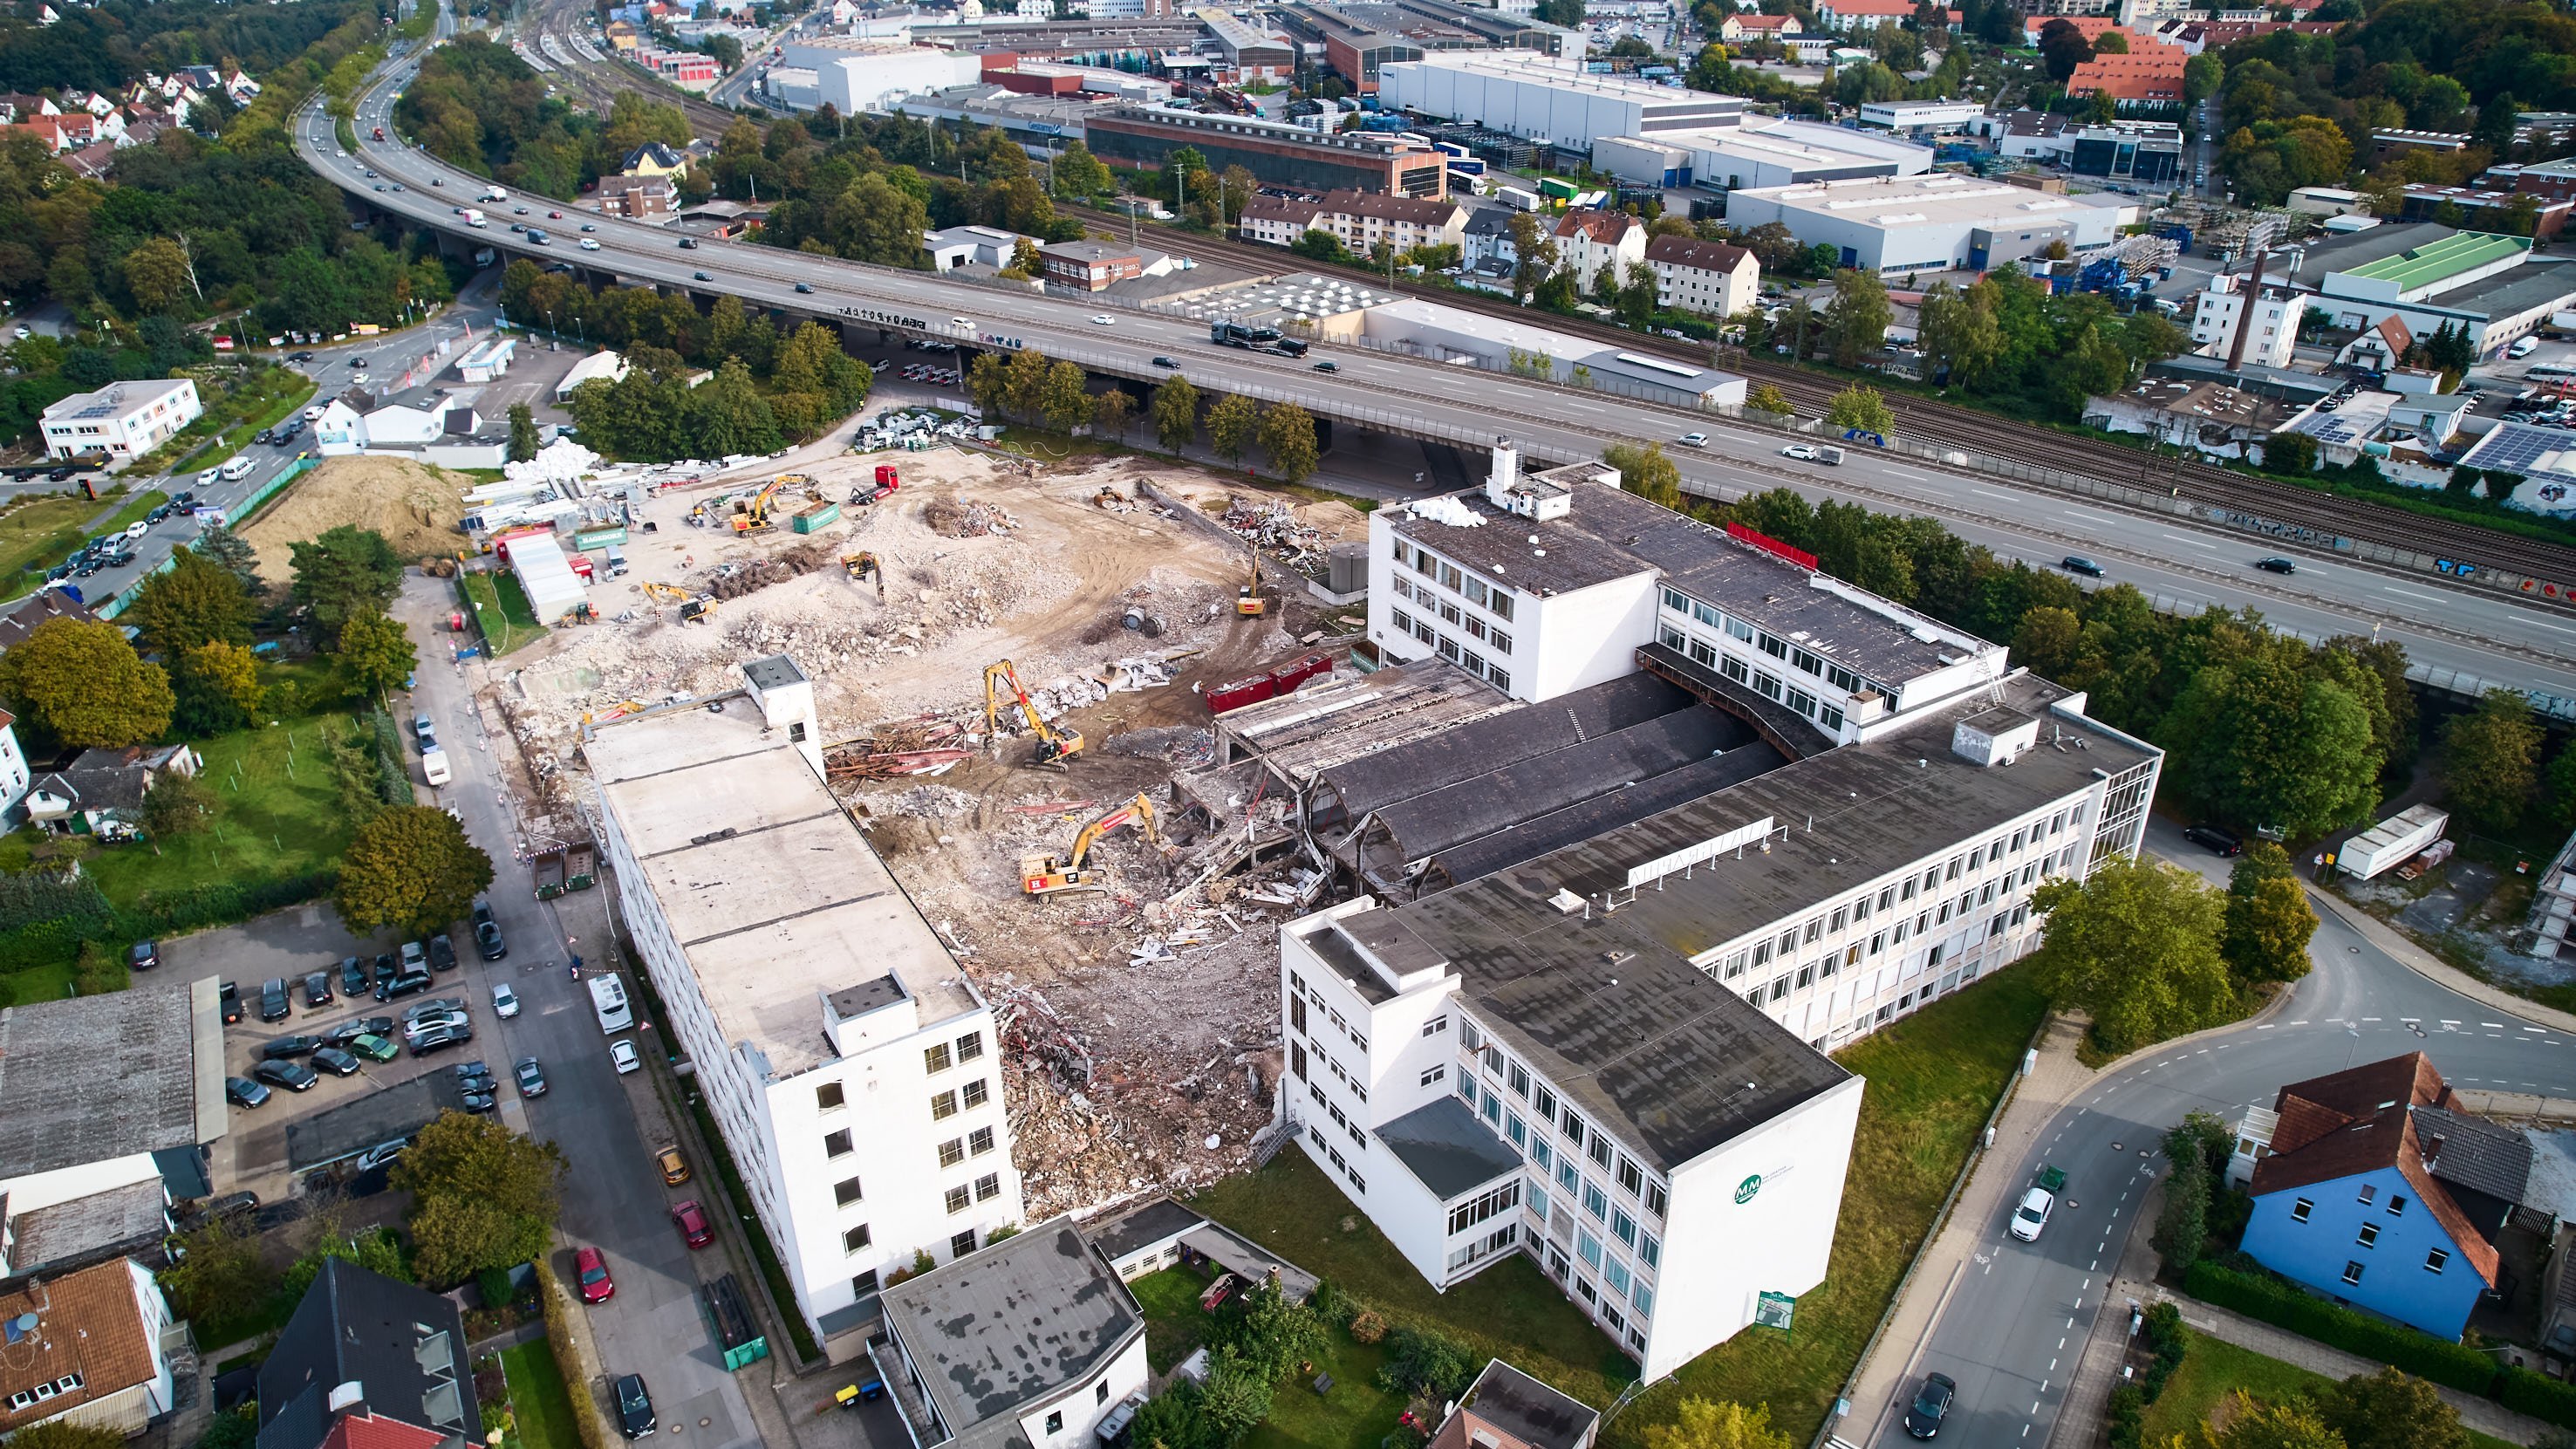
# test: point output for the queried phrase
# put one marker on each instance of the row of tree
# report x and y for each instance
(1027, 385)
(2151, 951)
(105, 46)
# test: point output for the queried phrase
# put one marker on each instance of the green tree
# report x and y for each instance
(80, 684)
(220, 1273)
(1317, 245)
(2291, 454)
(1078, 173)
(2391, 1410)
(523, 432)
(1176, 417)
(2262, 742)
(1288, 436)
(194, 601)
(2491, 760)
(1231, 425)
(728, 415)
(217, 689)
(65, 1434)
(1770, 399)
(2135, 944)
(228, 551)
(345, 572)
(1646, 472)
(1635, 298)
(2062, 48)
(1111, 410)
(2182, 1229)
(1857, 319)
(2255, 1424)
(2201, 76)
(2562, 790)
(375, 656)
(2269, 920)
(156, 272)
(410, 867)
(1236, 1395)
(1534, 256)
(1864, 408)
(1062, 401)
(1704, 1424)
(483, 1196)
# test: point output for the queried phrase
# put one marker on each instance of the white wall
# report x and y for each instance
(70, 1184)
(1588, 636)
(1085, 1404)
(13, 771)
(1712, 1276)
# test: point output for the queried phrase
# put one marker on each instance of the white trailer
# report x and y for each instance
(2392, 842)
(1516, 198)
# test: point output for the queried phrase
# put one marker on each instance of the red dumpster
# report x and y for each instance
(1237, 694)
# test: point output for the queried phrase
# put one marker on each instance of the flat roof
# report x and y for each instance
(90, 1078)
(2353, 252)
(1601, 357)
(1531, 68)
(1446, 1149)
(1155, 1221)
(1608, 1004)
(1008, 1326)
(375, 1117)
(1526, 1409)
(1943, 197)
(113, 400)
(773, 893)
(2526, 288)
(2448, 256)
(1335, 721)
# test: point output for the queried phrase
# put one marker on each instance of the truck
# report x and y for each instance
(380, 133)
(474, 216)
(1517, 198)
(1226, 332)
(493, 193)
(433, 766)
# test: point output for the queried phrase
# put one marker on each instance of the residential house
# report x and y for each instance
(1361, 221)
(1713, 279)
(1744, 27)
(2148, 75)
(1278, 221)
(16, 106)
(1587, 241)
(653, 159)
(91, 1348)
(1488, 237)
(363, 1347)
(35, 609)
(91, 162)
(2377, 348)
(1087, 266)
(1849, 15)
(622, 35)
(973, 246)
(2374, 1187)
(639, 197)
(2229, 322)
(101, 791)
(1028, 1342)
(1507, 1409)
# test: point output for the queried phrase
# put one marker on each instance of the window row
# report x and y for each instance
(1577, 1135)
(1804, 660)
(1491, 597)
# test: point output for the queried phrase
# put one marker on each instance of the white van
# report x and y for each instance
(616, 561)
(433, 766)
(237, 469)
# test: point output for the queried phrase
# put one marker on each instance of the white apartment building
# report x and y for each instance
(1713, 279)
(849, 1063)
(1360, 220)
(1587, 241)
(122, 419)
(2271, 334)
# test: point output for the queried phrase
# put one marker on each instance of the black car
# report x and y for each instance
(474, 1076)
(229, 996)
(2222, 841)
(1328, 365)
(291, 1046)
(273, 1005)
(387, 968)
(688, 243)
(1931, 1405)
(354, 981)
(299, 357)
(488, 942)
(482, 1098)
(1165, 362)
(2076, 563)
(317, 991)
(293, 1076)
(634, 1407)
(442, 953)
(144, 956)
(443, 1006)
(804, 287)
(2277, 565)
(335, 1061)
(349, 1031)
(440, 1038)
(701, 276)
(243, 1092)
(402, 986)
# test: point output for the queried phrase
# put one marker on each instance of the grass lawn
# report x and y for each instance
(1174, 1326)
(38, 533)
(2213, 1369)
(1354, 1414)
(132, 513)
(263, 400)
(501, 607)
(539, 1402)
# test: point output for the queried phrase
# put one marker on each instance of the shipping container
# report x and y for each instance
(820, 516)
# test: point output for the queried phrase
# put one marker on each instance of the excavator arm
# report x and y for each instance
(1054, 745)
(1046, 875)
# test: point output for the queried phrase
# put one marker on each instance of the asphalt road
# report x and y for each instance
(613, 1197)
(2490, 636)
(2013, 1330)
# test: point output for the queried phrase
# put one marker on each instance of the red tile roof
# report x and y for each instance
(374, 1431)
(88, 1326)
(2362, 1120)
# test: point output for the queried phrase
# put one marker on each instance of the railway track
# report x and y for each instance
(600, 81)
(1967, 429)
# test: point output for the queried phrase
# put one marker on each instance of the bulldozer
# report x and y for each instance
(1055, 746)
(694, 608)
(861, 566)
(1046, 875)
(1248, 603)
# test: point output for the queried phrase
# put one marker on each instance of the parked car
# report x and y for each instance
(402, 986)
(420, 1009)
(692, 1220)
(375, 1048)
(387, 968)
(243, 1092)
(381, 1154)
(353, 977)
(590, 1269)
(675, 1168)
(473, 1076)
(229, 997)
(335, 1061)
(2076, 563)
(442, 953)
(2223, 842)
(488, 943)
(273, 1005)
(505, 1002)
(634, 1407)
(1931, 1405)
(293, 1076)
(622, 1052)
(144, 956)
(290, 1046)
(432, 1021)
(532, 1077)
(317, 991)
(440, 1039)
(349, 1031)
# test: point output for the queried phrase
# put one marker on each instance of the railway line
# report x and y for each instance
(554, 32)
(1948, 425)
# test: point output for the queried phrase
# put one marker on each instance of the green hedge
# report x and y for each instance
(2284, 1305)
(393, 775)
(2538, 1395)
(85, 915)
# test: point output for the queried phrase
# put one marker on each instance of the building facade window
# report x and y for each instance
(829, 1097)
(836, 1144)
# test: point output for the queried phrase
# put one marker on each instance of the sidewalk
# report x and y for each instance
(2036, 1100)
(2432, 968)
(2097, 1369)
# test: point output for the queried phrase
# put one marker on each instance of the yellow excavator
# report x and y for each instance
(1248, 602)
(1055, 746)
(694, 608)
(753, 517)
(861, 566)
(1046, 875)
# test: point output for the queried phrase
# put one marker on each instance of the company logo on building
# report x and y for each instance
(1745, 1190)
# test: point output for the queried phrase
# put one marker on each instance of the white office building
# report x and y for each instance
(848, 1061)
(855, 75)
(1920, 117)
(1931, 223)
(123, 419)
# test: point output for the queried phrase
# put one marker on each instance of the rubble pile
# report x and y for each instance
(734, 579)
(966, 518)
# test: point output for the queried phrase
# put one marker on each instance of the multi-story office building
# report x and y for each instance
(121, 420)
(849, 1063)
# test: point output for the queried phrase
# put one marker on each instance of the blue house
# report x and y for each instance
(2373, 1187)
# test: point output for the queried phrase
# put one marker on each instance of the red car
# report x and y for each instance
(592, 1270)
(554, 216)
(693, 1224)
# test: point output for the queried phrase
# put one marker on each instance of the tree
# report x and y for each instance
(1111, 410)
(194, 601)
(2110, 42)
(1703, 1424)
(410, 867)
(2562, 790)
(1061, 398)
(1635, 298)
(1864, 408)
(483, 1196)
(1176, 417)
(2182, 1230)
(2269, 919)
(217, 689)
(1770, 399)
(234, 555)
(2497, 120)
(177, 805)
(156, 272)
(1231, 425)
(2262, 742)
(1318, 245)
(375, 656)
(1288, 436)
(2201, 76)
(220, 1273)
(1235, 1397)
(65, 1434)
(2061, 49)
(78, 682)
(1080, 173)
(346, 572)
(2491, 760)
(2135, 944)
(1646, 472)
(1533, 255)
(2391, 1410)
(2293, 454)
(523, 432)
(2255, 1424)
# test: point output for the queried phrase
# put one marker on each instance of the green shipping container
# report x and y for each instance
(818, 516)
(590, 538)
(1555, 190)
(735, 1331)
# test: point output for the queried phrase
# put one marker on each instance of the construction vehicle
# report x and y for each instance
(887, 481)
(1046, 875)
(861, 566)
(753, 516)
(694, 608)
(1248, 602)
(1055, 746)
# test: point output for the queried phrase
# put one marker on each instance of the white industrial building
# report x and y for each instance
(1603, 1050)
(124, 420)
(849, 1062)
(1446, 334)
(1920, 117)
(546, 577)
(868, 75)
(1931, 223)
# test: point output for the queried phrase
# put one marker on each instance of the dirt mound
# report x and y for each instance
(414, 506)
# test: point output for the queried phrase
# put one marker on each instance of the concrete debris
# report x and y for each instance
(965, 518)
